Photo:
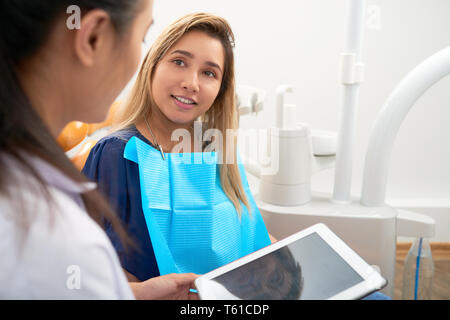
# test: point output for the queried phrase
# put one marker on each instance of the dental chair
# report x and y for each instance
(78, 138)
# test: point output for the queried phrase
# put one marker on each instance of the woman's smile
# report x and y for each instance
(184, 102)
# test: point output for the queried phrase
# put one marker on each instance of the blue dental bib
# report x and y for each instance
(192, 224)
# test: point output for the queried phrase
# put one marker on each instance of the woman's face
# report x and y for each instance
(187, 79)
(131, 45)
(119, 62)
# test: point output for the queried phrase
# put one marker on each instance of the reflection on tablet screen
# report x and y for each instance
(306, 269)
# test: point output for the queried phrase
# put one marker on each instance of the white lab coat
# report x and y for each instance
(64, 254)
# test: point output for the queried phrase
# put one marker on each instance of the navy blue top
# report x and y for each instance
(118, 180)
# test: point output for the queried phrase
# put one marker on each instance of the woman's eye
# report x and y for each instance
(210, 74)
(178, 62)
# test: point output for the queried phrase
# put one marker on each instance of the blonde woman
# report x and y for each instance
(184, 217)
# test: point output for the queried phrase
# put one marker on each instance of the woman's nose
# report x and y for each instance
(191, 83)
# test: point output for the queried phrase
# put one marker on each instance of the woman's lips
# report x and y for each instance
(185, 106)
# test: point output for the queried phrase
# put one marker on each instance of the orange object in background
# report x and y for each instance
(76, 131)
(73, 133)
(79, 159)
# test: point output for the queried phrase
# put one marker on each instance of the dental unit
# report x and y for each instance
(367, 224)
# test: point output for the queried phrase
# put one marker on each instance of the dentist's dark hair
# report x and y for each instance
(25, 25)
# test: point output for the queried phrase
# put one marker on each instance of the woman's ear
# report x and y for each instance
(95, 34)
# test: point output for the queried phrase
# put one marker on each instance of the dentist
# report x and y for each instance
(53, 246)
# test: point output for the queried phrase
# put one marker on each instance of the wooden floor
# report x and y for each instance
(441, 280)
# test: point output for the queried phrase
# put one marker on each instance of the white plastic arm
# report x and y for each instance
(394, 111)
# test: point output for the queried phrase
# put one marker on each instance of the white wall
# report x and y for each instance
(298, 42)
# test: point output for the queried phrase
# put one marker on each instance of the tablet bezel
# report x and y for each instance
(372, 280)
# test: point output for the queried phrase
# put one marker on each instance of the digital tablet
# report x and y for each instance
(313, 264)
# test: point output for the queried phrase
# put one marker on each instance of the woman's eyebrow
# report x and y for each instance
(190, 55)
(214, 65)
(183, 52)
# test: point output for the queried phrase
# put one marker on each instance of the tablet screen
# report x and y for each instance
(305, 269)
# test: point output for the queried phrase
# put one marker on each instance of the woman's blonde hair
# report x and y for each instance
(223, 113)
